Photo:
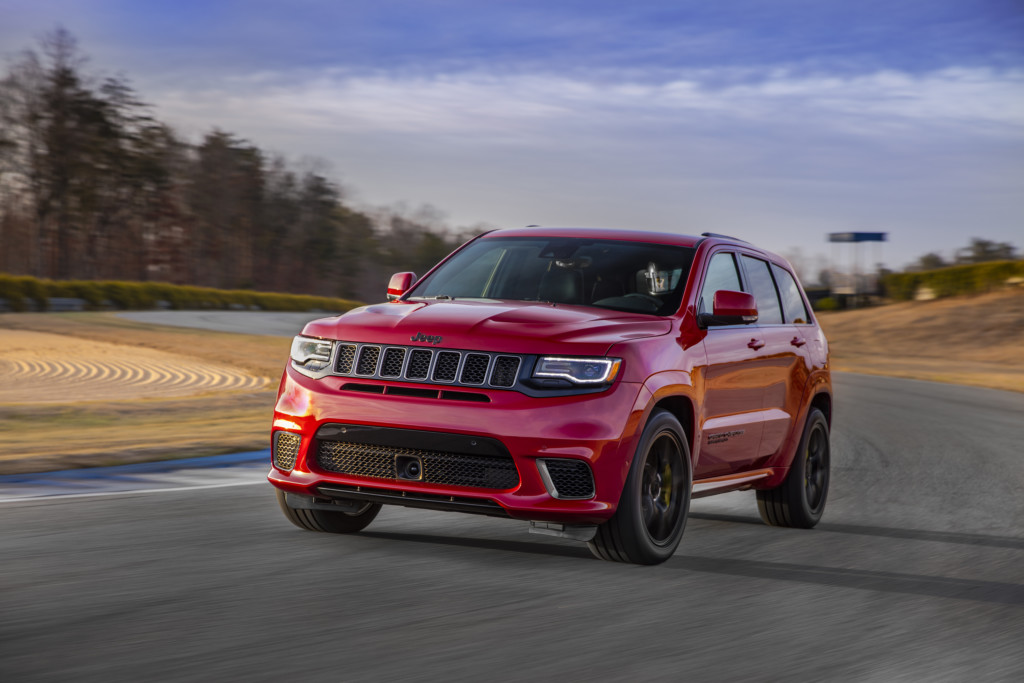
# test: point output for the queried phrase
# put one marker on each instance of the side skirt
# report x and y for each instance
(730, 482)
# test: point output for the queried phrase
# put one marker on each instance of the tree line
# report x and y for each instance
(94, 186)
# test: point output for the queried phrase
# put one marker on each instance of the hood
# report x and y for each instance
(509, 327)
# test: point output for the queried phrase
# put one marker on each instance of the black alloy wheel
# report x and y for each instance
(799, 500)
(649, 521)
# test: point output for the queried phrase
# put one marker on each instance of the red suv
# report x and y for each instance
(587, 381)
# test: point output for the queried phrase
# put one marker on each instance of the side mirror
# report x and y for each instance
(400, 284)
(730, 308)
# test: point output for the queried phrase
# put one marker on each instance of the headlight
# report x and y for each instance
(311, 356)
(578, 370)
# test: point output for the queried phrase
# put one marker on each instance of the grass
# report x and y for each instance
(106, 432)
(967, 340)
(978, 340)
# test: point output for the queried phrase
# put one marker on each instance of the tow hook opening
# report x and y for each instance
(409, 467)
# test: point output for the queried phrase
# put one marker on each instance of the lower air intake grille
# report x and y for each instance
(571, 478)
(286, 448)
(445, 469)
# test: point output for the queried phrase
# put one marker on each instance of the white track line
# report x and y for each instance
(65, 496)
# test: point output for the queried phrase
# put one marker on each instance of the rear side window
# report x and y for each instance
(792, 303)
(769, 311)
(721, 274)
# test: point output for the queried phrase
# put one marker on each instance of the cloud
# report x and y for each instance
(523, 107)
(779, 157)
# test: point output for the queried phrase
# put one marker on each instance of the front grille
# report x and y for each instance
(446, 366)
(475, 369)
(346, 356)
(392, 365)
(439, 467)
(368, 356)
(419, 364)
(286, 449)
(505, 370)
(427, 365)
(571, 478)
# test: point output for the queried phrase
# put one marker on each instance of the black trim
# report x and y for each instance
(412, 438)
(428, 501)
(718, 235)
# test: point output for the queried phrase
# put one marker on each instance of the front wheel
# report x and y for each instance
(648, 524)
(328, 520)
(799, 500)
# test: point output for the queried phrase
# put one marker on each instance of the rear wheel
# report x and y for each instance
(799, 500)
(329, 520)
(649, 522)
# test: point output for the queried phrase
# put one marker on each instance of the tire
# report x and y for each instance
(799, 500)
(326, 520)
(651, 516)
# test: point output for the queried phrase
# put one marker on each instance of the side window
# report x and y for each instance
(792, 302)
(769, 311)
(721, 274)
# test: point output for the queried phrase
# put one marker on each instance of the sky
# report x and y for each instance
(775, 121)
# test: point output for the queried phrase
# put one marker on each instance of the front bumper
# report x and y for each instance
(599, 429)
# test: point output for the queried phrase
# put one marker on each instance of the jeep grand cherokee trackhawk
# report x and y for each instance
(587, 381)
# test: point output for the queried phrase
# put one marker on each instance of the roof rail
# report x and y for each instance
(723, 237)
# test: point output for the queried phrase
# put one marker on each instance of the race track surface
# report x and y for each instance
(280, 324)
(916, 573)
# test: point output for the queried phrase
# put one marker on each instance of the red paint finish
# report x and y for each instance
(742, 391)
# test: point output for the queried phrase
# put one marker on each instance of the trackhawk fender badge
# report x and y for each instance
(430, 339)
(722, 437)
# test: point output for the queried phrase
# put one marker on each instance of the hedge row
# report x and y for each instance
(29, 293)
(972, 279)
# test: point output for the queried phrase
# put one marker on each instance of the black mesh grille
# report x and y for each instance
(572, 478)
(392, 365)
(445, 469)
(368, 357)
(358, 459)
(346, 354)
(474, 371)
(286, 448)
(446, 367)
(505, 370)
(419, 364)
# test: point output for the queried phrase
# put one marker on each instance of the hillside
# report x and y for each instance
(964, 340)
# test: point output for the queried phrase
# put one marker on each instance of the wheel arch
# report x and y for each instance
(681, 407)
(673, 392)
(823, 402)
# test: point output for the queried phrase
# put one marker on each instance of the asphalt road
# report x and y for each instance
(915, 573)
(279, 324)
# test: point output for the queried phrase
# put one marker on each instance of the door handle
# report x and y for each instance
(798, 341)
(756, 344)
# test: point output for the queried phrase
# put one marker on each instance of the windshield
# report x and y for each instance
(623, 276)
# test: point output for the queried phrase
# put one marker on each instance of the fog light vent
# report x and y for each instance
(567, 478)
(286, 449)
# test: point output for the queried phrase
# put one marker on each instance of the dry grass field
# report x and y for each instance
(977, 341)
(86, 389)
(167, 392)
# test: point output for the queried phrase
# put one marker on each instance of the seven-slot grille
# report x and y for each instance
(431, 366)
(439, 467)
